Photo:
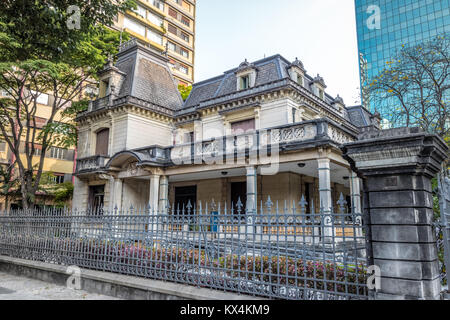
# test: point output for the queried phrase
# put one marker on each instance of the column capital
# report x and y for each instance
(154, 171)
(323, 153)
(396, 151)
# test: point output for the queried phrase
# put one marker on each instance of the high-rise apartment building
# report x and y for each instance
(383, 26)
(165, 25)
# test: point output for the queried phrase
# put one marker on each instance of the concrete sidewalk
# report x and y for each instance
(20, 288)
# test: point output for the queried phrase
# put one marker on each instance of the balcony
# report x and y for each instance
(91, 164)
(99, 104)
(288, 137)
(292, 137)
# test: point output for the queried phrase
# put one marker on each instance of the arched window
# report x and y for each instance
(101, 146)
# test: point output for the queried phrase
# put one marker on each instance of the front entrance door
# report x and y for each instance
(96, 199)
(238, 191)
(184, 196)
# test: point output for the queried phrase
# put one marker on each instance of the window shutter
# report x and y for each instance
(172, 29)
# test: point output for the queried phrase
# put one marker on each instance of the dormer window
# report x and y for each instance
(104, 84)
(300, 79)
(320, 87)
(245, 76)
(321, 94)
(245, 82)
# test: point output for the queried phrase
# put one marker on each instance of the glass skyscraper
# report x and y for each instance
(383, 26)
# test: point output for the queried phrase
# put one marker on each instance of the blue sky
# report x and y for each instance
(321, 33)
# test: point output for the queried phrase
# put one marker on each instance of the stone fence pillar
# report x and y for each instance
(397, 166)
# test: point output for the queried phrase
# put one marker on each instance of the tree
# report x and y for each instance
(415, 85)
(9, 184)
(41, 53)
(185, 91)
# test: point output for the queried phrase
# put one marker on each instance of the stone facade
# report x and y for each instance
(397, 166)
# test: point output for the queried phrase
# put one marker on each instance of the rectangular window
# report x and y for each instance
(140, 11)
(134, 26)
(58, 178)
(243, 126)
(158, 4)
(185, 21)
(172, 29)
(172, 46)
(184, 53)
(173, 13)
(186, 6)
(245, 82)
(155, 37)
(102, 143)
(299, 79)
(57, 153)
(39, 122)
(154, 19)
(184, 69)
(184, 36)
(42, 98)
(321, 94)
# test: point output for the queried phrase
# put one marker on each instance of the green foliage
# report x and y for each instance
(40, 53)
(39, 29)
(63, 194)
(185, 91)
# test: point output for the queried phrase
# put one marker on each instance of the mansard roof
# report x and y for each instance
(267, 70)
(147, 76)
(148, 82)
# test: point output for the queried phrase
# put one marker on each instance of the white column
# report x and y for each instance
(115, 198)
(252, 191)
(252, 197)
(154, 193)
(325, 196)
(355, 191)
(163, 193)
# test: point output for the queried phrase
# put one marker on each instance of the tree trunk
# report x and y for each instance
(27, 190)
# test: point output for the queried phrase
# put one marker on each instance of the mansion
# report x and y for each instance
(264, 129)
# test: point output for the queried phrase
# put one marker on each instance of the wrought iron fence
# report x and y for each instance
(277, 250)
